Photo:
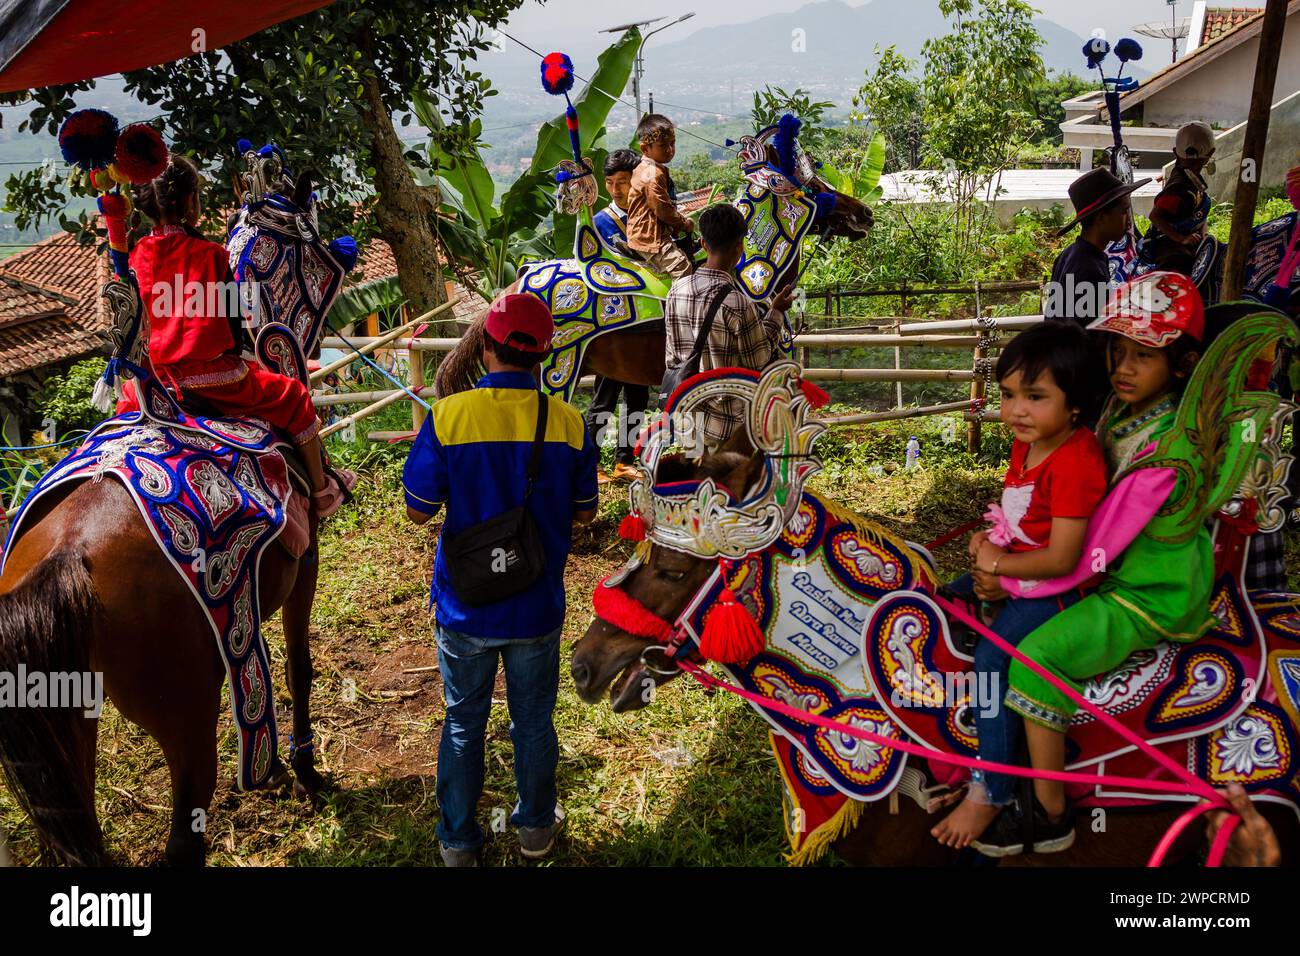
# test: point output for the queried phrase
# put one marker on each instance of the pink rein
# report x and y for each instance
(615, 606)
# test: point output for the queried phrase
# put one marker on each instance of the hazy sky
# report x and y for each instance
(557, 20)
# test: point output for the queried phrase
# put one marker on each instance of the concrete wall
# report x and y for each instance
(1219, 91)
(1282, 152)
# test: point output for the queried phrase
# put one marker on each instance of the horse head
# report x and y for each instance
(292, 273)
(774, 160)
(698, 512)
(660, 580)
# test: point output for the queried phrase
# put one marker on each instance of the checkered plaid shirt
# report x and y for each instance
(744, 335)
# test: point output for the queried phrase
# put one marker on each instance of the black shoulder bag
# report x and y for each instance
(675, 376)
(501, 557)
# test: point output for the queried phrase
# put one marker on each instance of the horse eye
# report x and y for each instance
(673, 576)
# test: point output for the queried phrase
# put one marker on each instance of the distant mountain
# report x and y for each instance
(824, 47)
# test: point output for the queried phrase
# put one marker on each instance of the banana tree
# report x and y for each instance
(863, 183)
(494, 237)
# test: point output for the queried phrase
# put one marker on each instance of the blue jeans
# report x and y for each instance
(998, 728)
(469, 669)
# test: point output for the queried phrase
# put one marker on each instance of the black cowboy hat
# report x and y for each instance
(1094, 191)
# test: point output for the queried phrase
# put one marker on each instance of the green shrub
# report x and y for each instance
(64, 397)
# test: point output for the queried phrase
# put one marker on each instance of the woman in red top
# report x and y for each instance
(194, 326)
(1050, 378)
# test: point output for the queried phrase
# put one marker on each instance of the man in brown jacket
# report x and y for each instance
(652, 216)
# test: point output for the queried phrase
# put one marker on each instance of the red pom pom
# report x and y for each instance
(816, 395)
(632, 527)
(141, 154)
(557, 73)
(731, 635)
(87, 138)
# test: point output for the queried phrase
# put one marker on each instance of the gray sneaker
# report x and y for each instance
(454, 857)
(536, 842)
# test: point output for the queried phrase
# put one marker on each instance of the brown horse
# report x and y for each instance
(889, 833)
(86, 588)
(635, 355)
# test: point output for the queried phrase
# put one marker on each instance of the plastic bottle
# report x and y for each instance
(913, 453)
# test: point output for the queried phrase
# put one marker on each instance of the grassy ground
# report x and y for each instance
(689, 780)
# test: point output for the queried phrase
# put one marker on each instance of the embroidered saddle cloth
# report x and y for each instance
(213, 492)
(1224, 704)
(595, 292)
(852, 632)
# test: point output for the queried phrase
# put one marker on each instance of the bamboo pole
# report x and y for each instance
(374, 343)
(363, 413)
(896, 413)
(1252, 147)
(831, 340)
(358, 398)
(420, 344)
(1006, 322)
(888, 375)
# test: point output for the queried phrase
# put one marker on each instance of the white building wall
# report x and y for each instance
(1219, 92)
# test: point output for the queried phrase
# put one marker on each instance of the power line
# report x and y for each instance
(696, 109)
(616, 99)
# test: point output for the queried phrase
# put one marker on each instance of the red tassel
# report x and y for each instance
(632, 528)
(816, 395)
(731, 635)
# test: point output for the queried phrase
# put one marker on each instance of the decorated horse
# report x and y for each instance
(159, 578)
(608, 309)
(834, 630)
(1273, 259)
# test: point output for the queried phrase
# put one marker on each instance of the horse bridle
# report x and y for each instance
(670, 639)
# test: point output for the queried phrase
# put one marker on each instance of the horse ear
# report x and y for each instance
(735, 463)
(302, 189)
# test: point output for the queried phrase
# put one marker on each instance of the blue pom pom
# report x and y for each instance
(88, 138)
(344, 251)
(1095, 50)
(784, 143)
(557, 73)
(1128, 49)
(243, 146)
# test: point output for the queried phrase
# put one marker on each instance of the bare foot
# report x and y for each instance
(968, 821)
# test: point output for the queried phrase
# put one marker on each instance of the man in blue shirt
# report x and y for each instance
(471, 458)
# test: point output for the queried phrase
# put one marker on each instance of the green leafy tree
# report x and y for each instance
(892, 101)
(975, 102)
(325, 87)
(1045, 102)
(771, 102)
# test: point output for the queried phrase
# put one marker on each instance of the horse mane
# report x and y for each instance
(463, 365)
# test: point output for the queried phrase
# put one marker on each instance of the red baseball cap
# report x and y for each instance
(521, 314)
(1155, 309)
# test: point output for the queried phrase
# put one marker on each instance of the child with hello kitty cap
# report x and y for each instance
(1050, 378)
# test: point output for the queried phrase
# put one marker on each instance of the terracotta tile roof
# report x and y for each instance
(1219, 20)
(693, 201)
(50, 307)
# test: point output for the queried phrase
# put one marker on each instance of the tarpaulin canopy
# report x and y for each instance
(45, 42)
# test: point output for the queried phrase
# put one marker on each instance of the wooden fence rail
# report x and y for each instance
(977, 335)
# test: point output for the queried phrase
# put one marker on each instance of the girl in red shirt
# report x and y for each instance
(1050, 378)
(185, 283)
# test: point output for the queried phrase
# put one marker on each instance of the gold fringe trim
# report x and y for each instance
(816, 844)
